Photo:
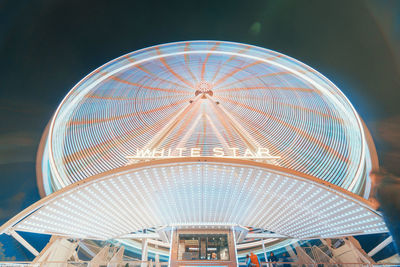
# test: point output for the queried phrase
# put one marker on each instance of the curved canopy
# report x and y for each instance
(200, 191)
(221, 98)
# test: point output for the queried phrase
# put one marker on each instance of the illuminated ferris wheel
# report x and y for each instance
(204, 133)
(212, 96)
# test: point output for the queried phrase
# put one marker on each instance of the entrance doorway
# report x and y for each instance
(203, 248)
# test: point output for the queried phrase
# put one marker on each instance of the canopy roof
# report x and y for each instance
(199, 191)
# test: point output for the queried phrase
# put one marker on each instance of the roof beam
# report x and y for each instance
(141, 236)
(265, 235)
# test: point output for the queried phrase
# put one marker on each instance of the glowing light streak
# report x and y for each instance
(336, 128)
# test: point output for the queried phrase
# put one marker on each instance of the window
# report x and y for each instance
(203, 247)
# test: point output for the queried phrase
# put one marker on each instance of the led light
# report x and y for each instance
(208, 193)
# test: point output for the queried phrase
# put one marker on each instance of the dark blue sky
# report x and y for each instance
(47, 46)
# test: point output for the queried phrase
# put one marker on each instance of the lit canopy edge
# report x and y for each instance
(193, 191)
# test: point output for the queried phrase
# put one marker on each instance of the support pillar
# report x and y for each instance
(117, 258)
(265, 253)
(157, 258)
(101, 257)
(234, 244)
(24, 243)
(291, 252)
(144, 252)
(170, 248)
(381, 246)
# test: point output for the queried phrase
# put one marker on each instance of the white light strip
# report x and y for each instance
(185, 194)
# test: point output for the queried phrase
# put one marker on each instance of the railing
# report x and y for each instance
(165, 264)
(320, 264)
(82, 264)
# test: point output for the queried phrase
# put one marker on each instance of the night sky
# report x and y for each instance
(47, 46)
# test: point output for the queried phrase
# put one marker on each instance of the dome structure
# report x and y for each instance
(207, 99)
